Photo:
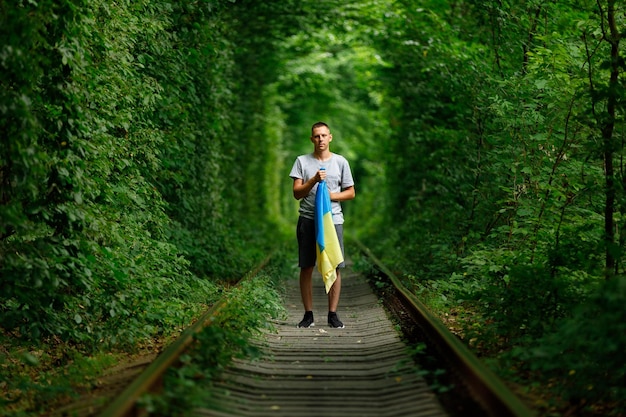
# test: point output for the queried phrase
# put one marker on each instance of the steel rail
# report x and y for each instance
(152, 377)
(486, 387)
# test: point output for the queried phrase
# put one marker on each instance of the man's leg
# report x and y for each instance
(333, 302)
(306, 256)
(306, 287)
(335, 290)
(306, 291)
(333, 294)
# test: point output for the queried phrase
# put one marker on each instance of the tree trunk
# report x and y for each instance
(608, 126)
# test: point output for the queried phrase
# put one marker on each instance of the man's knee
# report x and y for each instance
(306, 272)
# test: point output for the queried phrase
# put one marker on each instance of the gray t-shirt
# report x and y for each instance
(338, 177)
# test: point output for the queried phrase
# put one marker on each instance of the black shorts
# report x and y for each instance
(306, 242)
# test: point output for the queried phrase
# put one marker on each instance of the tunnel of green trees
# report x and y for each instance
(146, 147)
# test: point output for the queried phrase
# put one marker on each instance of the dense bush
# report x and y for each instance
(119, 126)
(146, 147)
(585, 353)
(504, 167)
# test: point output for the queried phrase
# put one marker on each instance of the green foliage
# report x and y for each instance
(248, 309)
(500, 173)
(119, 121)
(584, 355)
(146, 146)
(117, 172)
(518, 303)
(33, 379)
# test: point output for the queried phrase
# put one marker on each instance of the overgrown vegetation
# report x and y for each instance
(119, 178)
(506, 184)
(249, 310)
(146, 147)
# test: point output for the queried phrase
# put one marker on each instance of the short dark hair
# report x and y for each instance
(319, 124)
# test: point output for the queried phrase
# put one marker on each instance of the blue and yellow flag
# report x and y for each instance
(328, 250)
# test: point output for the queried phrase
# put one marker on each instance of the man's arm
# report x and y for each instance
(301, 189)
(345, 194)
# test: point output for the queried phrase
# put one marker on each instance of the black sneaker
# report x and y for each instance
(307, 321)
(333, 321)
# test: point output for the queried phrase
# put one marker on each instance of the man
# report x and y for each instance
(307, 171)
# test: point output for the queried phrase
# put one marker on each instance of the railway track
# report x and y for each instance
(363, 370)
(472, 376)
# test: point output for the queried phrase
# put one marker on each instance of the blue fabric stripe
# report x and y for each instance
(322, 206)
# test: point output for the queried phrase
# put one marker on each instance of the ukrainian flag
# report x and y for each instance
(328, 250)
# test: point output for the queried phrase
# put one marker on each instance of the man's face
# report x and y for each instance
(321, 138)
